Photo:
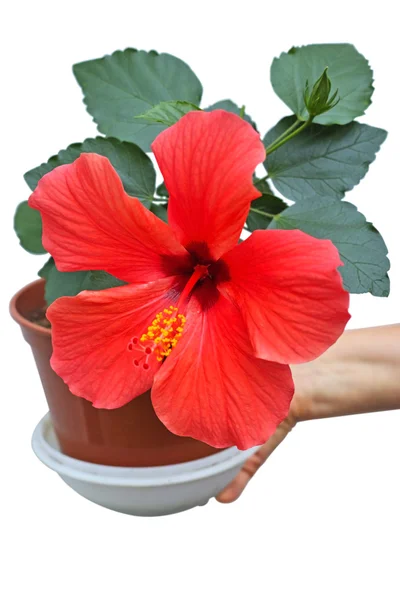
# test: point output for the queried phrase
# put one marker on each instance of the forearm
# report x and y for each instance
(359, 374)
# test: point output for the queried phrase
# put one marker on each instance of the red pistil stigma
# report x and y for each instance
(161, 337)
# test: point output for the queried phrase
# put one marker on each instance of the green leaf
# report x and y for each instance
(168, 113)
(162, 191)
(360, 245)
(322, 161)
(60, 283)
(262, 185)
(100, 280)
(45, 271)
(230, 106)
(261, 210)
(348, 71)
(128, 83)
(28, 227)
(131, 163)
(161, 211)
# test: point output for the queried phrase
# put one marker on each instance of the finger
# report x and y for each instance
(236, 487)
(252, 465)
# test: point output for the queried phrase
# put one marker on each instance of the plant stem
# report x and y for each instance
(287, 131)
(241, 114)
(288, 135)
(262, 212)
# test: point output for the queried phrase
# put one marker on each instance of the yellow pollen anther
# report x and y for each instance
(161, 336)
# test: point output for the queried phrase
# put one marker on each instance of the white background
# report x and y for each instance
(321, 520)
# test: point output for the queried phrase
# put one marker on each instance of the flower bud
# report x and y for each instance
(318, 101)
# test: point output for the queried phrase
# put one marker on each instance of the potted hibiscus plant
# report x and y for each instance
(167, 316)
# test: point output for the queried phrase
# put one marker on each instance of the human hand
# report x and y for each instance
(300, 404)
(250, 468)
(358, 374)
(252, 465)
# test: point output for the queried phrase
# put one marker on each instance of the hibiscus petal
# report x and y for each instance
(89, 222)
(290, 293)
(207, 160)
(91, 333)
(212, 388)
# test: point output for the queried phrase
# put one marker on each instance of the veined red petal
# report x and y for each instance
(290, 293)
(89, 222)
(212, 388)
(207, 160)
(91, 335)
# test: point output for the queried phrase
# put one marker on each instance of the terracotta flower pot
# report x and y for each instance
(130, 436)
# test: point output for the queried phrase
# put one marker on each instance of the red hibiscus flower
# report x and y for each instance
(211, 325)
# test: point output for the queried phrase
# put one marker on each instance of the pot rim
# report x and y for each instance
(19, 318)
(50, 445)
(125, 478)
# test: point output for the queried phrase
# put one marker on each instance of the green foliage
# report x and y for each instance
(262, 209)
(360, 245)
(47, 268)
(349, 72)
(322, 161)
(230, 106)
(168, 113)
(262, 185)
(133, 166)
(162, 191)
(128, 83)
(28, 227)
(134, 95)
(161, 211)
(60, 283)
(131, 163)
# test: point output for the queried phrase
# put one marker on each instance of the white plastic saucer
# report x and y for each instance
(141, 491)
